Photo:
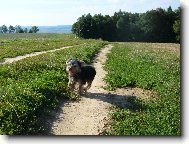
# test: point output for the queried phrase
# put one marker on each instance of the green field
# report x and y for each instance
(152, 66)
(12, 45)
(30, 88)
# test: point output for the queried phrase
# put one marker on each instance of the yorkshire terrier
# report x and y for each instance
(81, 73)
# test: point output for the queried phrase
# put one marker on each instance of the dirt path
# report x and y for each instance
(11, 60)
(86, 116)
(89, 115)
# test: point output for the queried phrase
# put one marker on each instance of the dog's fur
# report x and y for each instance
(80, 73)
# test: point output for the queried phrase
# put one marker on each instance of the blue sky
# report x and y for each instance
(66, 12)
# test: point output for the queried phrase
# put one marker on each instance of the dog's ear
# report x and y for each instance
(79, 64)
(68, 60)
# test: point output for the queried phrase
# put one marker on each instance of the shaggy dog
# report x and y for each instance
(80, 73)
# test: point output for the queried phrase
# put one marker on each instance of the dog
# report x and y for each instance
(81, 73)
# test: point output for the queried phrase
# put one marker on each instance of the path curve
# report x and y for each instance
(89, 115)
(11, 60)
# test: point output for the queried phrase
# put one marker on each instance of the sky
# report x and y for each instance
(66, 12)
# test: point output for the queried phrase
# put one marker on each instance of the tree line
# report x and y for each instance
(18, 29)
(158, 25)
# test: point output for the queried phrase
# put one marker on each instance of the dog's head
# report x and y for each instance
(73, 66)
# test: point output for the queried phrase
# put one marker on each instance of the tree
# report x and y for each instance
(123, 28)
(84, 27)
(170, 19)
(108, 28)
(25, 30)
(136, 33)
(18, 29)
(177, 24)
(11, 29)
(158, 25)
(34, 29)
(3, 29)
(97, 26)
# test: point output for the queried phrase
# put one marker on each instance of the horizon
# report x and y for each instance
(63, 12)
(44, 25)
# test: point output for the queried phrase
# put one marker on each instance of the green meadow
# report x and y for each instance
(30, 88)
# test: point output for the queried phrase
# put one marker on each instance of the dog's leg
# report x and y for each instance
(88, 86)
(71, 84)
(80, 89)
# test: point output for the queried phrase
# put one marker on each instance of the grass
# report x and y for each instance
(12, 45)
(29, 88)
(149, 66)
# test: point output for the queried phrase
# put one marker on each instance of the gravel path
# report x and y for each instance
(86, 116)
(89, 115)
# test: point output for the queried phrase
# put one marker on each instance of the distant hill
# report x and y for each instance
(53, 29)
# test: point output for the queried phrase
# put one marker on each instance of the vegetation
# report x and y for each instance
(12, 45)
(18, 29)
(149, 66)
(177, 25)
(29, 88)
(153, 26)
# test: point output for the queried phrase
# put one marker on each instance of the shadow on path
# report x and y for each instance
(121, 101)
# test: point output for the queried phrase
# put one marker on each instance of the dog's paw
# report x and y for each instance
(84, 91)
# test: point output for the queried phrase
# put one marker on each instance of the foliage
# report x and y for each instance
(18, 29)
(149, 66)
(158, 25)
(12, 45)
(152, 26)
(95, 27)
(29, 88)
(11, 29)
(34, 29)
(177, 25)
(3, 29)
